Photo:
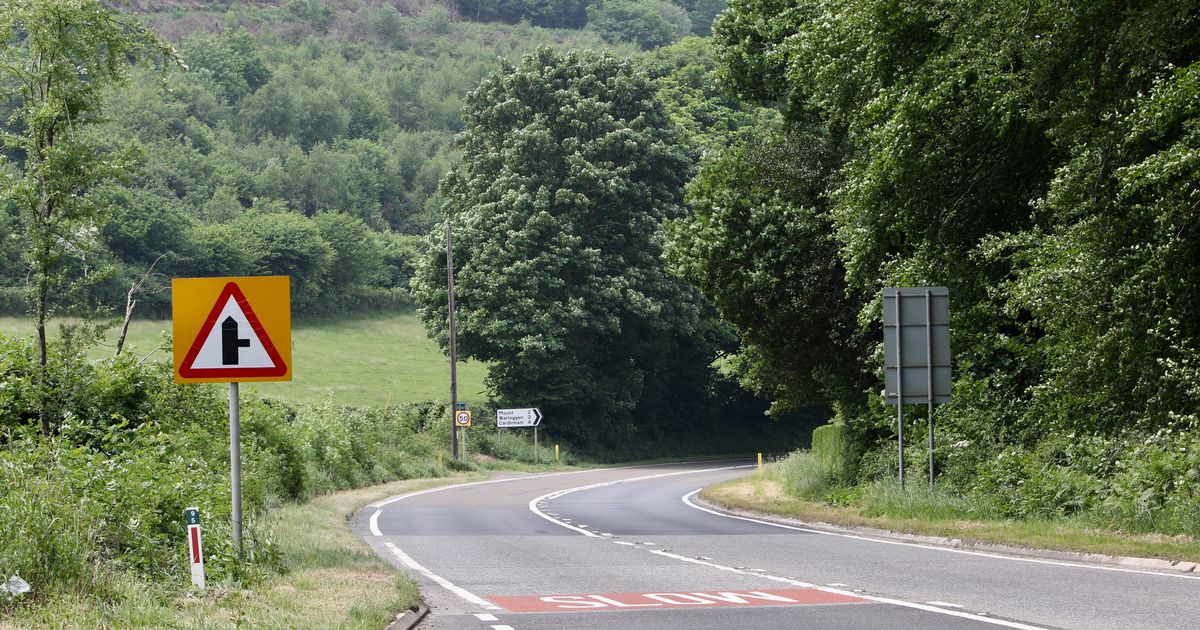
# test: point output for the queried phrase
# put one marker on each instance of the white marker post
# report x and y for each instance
(195, 548)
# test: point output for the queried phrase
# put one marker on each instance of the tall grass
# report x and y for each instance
(805, 475)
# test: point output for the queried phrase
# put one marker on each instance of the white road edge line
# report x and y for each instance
(687, 499)
(401, 497)
(549, 496)
(447, 584)
(374, 524)
(774, 578)
(441, 581)
(486, 617)
(838, 591)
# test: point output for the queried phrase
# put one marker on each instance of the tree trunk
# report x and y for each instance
(42, 376)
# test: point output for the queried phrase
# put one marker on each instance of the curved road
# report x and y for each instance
(629, 548)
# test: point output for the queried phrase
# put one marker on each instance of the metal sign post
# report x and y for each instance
(232, 330)
(453, 346)
(929, 373)
(916, 340)
(235, 465)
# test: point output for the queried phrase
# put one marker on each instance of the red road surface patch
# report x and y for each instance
(651, 601)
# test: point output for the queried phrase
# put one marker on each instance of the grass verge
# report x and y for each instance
(922, 512)
(335, 580)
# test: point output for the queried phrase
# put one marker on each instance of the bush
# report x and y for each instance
(65, 510)
(832, 447)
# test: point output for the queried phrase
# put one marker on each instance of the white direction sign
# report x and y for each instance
(515, 418)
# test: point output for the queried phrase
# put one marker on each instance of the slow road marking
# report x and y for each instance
(693, 599)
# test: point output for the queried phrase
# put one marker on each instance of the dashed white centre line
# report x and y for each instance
(502, 628)
(536, 504)
(486, 617)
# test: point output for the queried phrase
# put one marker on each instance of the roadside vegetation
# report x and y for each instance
(812, 485)
(882, 506)
(92, 518)
(376, 359)
(674, 243)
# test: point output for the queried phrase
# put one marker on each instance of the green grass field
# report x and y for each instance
(356, 360)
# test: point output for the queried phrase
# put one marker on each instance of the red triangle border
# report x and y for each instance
(232, 290)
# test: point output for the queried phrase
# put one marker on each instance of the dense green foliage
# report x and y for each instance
(100, 505)
(307, 109)
(55, 62)
(569, 167)
(1041, 160)
(680, 16)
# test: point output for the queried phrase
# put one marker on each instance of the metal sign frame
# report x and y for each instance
(916, 355)
(265, 301)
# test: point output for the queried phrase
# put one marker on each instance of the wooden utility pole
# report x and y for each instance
(453, 342)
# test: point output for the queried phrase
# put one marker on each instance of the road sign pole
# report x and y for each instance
(900, 386)
(536, 458)
(929, 373)
(235, 465)
(453, 339)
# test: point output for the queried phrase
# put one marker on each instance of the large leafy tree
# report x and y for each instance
(569, 167)
(56, 60)
(761, 246)
(1037, 157)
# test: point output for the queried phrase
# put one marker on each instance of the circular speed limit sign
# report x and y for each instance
(462, 418)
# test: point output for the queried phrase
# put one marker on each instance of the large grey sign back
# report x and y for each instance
(916, 344)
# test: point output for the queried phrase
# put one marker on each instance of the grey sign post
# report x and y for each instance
(916, 354)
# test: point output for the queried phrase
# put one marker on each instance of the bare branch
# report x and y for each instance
(130, 302)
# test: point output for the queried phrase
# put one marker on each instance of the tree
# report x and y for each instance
(548, 13)
(569, 167)
(686, 74)
(56, 59)
(232, 60)
(760, 246)
(357, 257)
(647, 23)
(284, 243)
(702, 14)
(1039, 158)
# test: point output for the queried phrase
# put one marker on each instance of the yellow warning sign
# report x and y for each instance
(232, 329)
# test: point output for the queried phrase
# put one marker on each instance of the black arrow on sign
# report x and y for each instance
(230, 342)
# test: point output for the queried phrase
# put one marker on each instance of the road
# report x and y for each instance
(630, 548)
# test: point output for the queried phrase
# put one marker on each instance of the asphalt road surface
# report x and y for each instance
(630, 548)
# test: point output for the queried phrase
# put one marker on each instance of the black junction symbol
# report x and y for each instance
(230, 342)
